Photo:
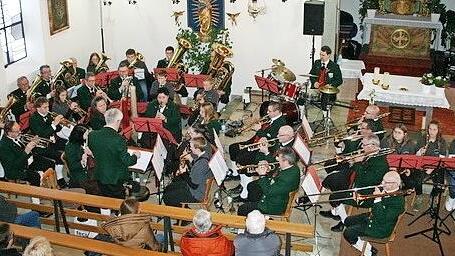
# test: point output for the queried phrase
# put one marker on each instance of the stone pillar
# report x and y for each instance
(331, 24)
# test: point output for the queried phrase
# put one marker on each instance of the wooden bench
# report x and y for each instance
(167, 212)
(81, 243)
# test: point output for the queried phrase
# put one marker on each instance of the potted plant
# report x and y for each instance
(441, 81)
(427, 80)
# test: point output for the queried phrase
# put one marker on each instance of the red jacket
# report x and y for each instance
(212, 243)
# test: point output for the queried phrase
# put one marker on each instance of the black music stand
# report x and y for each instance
(433, 209)
(450, 164)
(192, 80)
(267, 84)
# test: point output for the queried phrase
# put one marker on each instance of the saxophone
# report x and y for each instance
(4, 112)
(221, 70)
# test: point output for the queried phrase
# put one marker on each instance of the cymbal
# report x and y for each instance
(308, 75)
(328, 89)
(285, 73)
(278, 62)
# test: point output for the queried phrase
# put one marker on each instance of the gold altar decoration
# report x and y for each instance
(398, 41)
(400, 38)
(205, 19)
(402, 7)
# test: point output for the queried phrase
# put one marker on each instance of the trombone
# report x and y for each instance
(355, 137)
(250, 169)
(64, 121)
(255, 146)
(24, 139)
(265, 119)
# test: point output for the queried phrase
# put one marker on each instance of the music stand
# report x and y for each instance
(267, 84)
(450, 166)
(147, 124)
(435, 163)
(192, 80)
(173, 74)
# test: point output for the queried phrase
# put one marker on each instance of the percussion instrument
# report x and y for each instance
(290, 109)
(290, 91)
(278, 62)
(328, 95)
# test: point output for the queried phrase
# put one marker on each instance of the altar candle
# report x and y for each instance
(386, 78)
(376, 74)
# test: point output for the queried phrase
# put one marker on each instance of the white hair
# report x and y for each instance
(202, 221)
(38, 246)
(255, 222)
(112, 116)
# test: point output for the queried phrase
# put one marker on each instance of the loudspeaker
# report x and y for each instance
(313, 18)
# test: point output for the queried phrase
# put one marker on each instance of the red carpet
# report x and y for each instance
(446, 117)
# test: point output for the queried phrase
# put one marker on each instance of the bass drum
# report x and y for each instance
(289, 109)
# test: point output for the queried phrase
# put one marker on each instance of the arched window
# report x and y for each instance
(12, 38)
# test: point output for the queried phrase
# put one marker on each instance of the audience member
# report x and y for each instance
(7, 241)
(39, 246)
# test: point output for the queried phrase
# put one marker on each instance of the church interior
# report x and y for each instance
(227, 127)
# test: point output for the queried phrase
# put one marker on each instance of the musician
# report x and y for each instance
(223, 94)
(93, 62)
(372, 112)
(327, 71)
(118, 85)
(88, 91)
(141, 72)
(431, 143)
(168, 52)
(190, 186)
(112, 159)
(368, 172)
(450, 203)
(209, 118)
(167, 111)
(44, 86)
(207, 92)
(43, 125)
(97, 111)
(285, 137)
(161, 81)
(80, 72)
(62, 106)
(381, 221)
(274, 188)
(14, 157)
(243, 157)
(21, 106)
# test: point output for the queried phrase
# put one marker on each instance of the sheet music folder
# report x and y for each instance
(143, 161)
(192, 80)
(147, 124)
(267, 84)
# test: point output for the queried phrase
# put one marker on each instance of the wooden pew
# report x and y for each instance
(81, 243)
(233, 221)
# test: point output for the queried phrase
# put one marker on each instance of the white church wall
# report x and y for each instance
(149, 28)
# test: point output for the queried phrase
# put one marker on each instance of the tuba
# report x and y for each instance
(100, 67)
(220, 70)
(184, 45)
(64, 75)
(139, 57)
(4, 112)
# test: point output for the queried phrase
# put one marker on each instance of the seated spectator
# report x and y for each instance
(7, 241)
(202, 239)
(257, 239)
(8, 213)
(132, 229)
(39, 246)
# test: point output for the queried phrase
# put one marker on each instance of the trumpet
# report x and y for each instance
(265, 119)
(355, 137)
(76, 109)
(24, 139)
(356, 154)
(360, 120)
(126, 89)
(255, 146)
(64, 121)
(251, 168)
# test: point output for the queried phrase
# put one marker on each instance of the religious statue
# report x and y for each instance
(205, 19)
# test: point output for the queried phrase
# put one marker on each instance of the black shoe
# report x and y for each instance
(238, 199)
(374, 251)
(302, 200)
(328, 214)
(338, 227)
(236, 190)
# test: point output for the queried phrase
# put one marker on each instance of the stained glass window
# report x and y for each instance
(12, 38)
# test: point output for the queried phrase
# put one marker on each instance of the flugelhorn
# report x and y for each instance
(251, 168)
(24, 139)
(64, 121)
(255, 146)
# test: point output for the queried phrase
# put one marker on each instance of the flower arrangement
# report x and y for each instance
(427, 79)
(438, 81)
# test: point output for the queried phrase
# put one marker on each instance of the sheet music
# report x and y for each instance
(72, 91)
(139, 73)
(218, 142)
(218, 167)
(143, 161)
(159, 155)
(302, 149)
(312, 184)
(306, 127)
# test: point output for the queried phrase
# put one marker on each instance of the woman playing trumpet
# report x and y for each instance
(62, 106)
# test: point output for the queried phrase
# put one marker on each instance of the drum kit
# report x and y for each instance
(291, 91)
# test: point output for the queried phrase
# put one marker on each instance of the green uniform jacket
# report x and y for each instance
(172, 113)
(272, 131)
(371, 172)
(276, 190)
(97, 121)
(111, 156)
(41, 127)
(18, 108)
(85, 97)
(214, 125)
(42, 89)
(73, 156)
(335, 81)
(384, 216)
(113, 90)
(13, 159)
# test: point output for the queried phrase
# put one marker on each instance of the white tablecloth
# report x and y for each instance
(351, 68)
(416, 94)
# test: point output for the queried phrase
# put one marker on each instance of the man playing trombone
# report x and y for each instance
(382, 219)
(369, 166)
(272, 194)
